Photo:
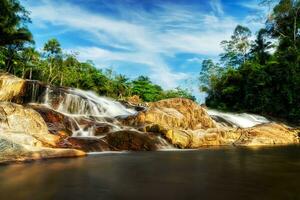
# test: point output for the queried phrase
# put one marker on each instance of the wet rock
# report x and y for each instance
(88, 144)
(57, 123)
(98, 128)
(133, 141)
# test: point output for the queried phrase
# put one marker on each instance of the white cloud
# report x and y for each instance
(141, 37)
(217, 7)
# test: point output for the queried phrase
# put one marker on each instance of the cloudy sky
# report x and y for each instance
(163, 39)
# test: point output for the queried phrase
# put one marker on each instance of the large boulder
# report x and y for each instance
(24, 135)
(178, 113)
(19, 119)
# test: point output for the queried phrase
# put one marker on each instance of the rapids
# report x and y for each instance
(80, 106)
(241, 120)
(86, 105)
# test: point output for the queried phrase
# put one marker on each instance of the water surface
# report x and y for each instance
(221, 173)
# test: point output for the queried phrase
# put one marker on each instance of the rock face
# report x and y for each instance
(24, 135)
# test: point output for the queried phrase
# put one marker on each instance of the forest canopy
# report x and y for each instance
(260, 76)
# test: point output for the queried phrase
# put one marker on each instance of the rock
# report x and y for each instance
(98, 128)
(11, 87)
(57, 123)
(88, 144)
(265, 134)
(18, 119)
(268, 134)
(134, 100)
(133, 141)
(24, 135)
(10, 151)
(175, 113)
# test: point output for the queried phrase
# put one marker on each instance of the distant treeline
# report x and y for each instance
(261, 76)
(18, 56)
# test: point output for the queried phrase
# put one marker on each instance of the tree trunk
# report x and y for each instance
(30, 74)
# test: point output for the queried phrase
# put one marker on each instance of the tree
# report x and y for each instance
(53, 54)
(260, 47)
(143, 87)
(29, 59)
(13, 18)
(208, 71)
(13, 32)
(237, 48)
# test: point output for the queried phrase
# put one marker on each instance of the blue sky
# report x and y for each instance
(163, 39)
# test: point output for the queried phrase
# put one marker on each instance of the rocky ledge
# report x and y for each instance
(36, 131)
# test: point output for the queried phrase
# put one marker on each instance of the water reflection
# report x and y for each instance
(236, 173)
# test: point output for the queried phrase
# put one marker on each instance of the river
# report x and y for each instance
(213, 173)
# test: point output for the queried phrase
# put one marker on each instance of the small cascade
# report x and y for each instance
(242, 120)
(87, 110)
(87, 103)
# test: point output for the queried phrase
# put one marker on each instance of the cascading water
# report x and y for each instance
(87, 109)
(242, 120)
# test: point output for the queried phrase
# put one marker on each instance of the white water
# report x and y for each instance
(242, 120)
(82, 105)
(87, 103)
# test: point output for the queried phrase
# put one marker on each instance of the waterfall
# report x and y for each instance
(87, 110)
(242, 120)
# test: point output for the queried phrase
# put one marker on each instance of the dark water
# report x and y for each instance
(228, 173)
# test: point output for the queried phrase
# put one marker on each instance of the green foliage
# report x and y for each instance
(12, 23)
(265, 83)
(144, 88)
